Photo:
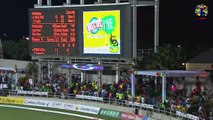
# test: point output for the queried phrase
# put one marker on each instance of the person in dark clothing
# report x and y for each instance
(136, 111)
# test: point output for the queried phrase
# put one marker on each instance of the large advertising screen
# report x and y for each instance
(101, 32)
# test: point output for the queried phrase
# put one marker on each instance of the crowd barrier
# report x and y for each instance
(131, 116)
(12, 100)
(21, 92)
(187, 116)
(124, 103)
(72, 107)
(62, 105)
(86, 97)
(148, 106)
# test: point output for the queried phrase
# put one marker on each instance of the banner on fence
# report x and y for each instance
(130, 116)
(74, 107)
(12, 100)
(89, 97)
(62, 105)
(32, 93)
(35, 102)
(188, 116)
(110, 113)
(87, 109)
(141, 105)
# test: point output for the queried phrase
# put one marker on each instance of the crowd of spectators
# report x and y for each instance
(148, 91)
(6, 80)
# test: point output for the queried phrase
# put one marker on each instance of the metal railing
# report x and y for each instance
(111, 101)
(142, 53)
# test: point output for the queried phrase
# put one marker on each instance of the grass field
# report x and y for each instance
(29, 114)
(20, 114)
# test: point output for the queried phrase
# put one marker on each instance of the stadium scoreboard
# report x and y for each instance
(93, 31)
(53, 33)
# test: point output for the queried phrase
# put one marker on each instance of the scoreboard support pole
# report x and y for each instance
(82, 2)
(100, 75)
(40, 2)
(83, 77)
(48, 70)
(39, 71)
(134, 29)
(69, 77)
(68, 2)
(49, 2)
(156, 28)
(117, 73)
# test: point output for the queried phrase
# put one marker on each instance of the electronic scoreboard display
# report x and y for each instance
(53, 32)
(93, 31)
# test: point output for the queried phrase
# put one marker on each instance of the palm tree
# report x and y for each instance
(166, 58)
(33, 71)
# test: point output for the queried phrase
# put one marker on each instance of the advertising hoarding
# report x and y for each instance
(83, 67)
(101, 32)
(12, 100)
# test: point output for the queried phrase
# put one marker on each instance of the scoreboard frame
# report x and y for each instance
(77, 51)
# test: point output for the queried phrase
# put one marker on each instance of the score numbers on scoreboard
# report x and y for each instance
(53, 32)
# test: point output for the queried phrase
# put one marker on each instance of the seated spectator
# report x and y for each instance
(200, 110)
(142, 99)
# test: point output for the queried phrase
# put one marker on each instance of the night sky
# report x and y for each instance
(178, 22)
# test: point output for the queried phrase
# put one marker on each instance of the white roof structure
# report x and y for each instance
(9, 65)
(173, 73)
(12, 69)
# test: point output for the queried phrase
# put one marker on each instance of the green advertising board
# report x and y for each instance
(110, 113)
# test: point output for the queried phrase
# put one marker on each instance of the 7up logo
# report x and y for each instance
(107, 24)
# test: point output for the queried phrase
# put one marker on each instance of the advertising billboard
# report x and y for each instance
(101, 32)
(83, 67)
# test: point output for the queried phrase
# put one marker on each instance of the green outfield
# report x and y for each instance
(11, 112)
(20, 114)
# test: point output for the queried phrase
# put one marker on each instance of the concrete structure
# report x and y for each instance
(203, 61)
(11, 63)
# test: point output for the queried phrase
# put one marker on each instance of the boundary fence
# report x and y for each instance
(113, 101)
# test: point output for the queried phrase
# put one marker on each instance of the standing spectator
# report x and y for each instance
(136, 111)
(198, 86)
